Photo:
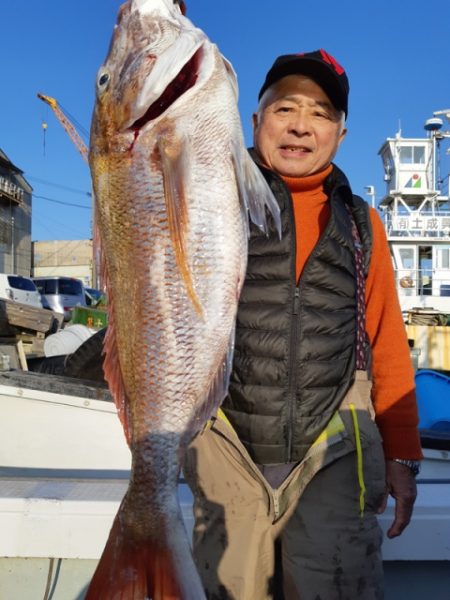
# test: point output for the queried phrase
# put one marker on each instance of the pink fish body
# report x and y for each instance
(174, 186)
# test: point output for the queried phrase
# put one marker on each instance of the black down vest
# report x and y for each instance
(294, 355)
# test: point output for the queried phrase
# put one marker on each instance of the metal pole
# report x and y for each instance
(13, 248)
(370, 191)
(433, 137)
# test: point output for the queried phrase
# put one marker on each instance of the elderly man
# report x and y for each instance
(320, 423)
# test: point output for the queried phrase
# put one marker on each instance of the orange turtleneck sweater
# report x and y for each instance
(393, 375)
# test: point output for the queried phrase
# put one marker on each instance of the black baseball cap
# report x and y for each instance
(321, 67)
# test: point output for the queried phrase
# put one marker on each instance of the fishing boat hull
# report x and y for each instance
(64, 467)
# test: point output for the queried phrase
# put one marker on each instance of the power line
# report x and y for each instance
(61, 202)
(58, 185)
(44, 224)
(80, 128)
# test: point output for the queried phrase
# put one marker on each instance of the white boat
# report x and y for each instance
(64, 466)
(416, 211)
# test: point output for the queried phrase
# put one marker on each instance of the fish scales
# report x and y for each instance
(172, 182)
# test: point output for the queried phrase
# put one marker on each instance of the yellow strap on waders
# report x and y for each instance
(223, 417)
(334, 427)
(220, 415)
(359, 458)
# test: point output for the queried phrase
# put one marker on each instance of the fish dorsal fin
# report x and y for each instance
(232, 77)
(174, 156)
(111, 364)
(254, 190)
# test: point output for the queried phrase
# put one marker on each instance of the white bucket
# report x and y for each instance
(67, 340)
(5, 362)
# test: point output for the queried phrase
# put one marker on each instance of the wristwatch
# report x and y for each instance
(414, 465)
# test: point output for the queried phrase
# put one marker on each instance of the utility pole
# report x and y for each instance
(13, 247)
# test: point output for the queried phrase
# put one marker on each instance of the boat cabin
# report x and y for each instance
(416, 211)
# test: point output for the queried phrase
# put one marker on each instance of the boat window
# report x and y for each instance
(409, 155)
(425, 270)
(407, 258)
(419, 155)
(443, 258)
(388, 166)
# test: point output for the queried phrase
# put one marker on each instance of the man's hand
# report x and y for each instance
(401, 485)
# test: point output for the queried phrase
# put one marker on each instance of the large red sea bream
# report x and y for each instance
(174, 186)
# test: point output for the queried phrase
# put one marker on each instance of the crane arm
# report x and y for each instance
(69, 128)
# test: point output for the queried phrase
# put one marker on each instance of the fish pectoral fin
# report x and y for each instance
(174, 155)
(254, 190)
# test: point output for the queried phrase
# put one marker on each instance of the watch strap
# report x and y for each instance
(414, 465)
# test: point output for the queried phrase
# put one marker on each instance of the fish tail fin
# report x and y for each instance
(255, 193)
(131, 569)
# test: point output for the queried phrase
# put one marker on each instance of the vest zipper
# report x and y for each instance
(292, 373)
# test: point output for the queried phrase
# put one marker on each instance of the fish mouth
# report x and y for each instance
(184, 81)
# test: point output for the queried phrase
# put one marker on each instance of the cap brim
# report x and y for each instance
(314, 69)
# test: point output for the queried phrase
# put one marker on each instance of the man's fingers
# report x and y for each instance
(383, 502)
(402, 487)
(403, 512)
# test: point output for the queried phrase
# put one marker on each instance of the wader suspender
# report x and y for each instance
(360, 353)
(360, 297)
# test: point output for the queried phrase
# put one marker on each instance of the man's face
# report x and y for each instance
(297, 131)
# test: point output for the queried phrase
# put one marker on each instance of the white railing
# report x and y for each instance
(422, 282)
(11, 189)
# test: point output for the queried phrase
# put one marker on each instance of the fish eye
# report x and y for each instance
(103, 79)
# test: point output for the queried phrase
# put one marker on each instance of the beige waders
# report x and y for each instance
(318, 527)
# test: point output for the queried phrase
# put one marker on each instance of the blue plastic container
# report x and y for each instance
(433, 400)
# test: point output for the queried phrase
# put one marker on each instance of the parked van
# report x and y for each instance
(61, 294)
(20, 289)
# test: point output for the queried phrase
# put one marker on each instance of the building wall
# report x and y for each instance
(71, 258)
(15, 219)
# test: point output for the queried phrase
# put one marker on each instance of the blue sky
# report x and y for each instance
(397, 58)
